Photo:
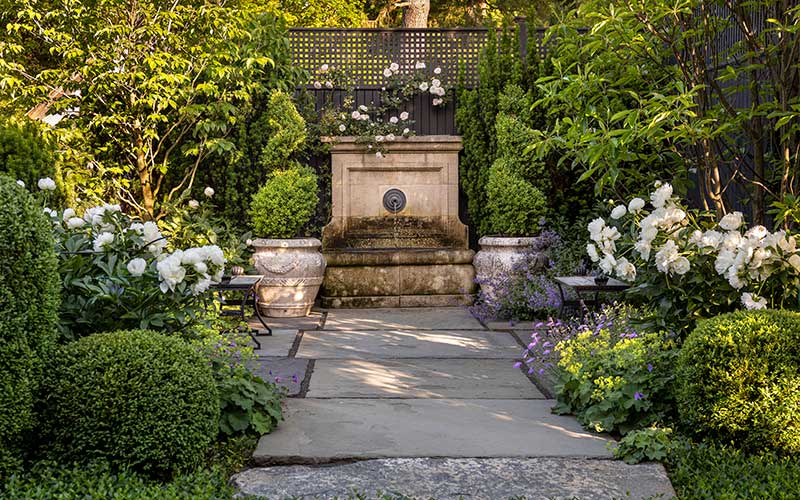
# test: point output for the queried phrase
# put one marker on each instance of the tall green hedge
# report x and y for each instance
(29, 298)
(24, 154)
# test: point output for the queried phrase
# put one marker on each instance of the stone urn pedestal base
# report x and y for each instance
(407, 277)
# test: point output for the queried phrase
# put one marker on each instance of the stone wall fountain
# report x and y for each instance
(395, 239)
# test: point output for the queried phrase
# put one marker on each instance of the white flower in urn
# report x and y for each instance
(194, 204)
(404, 115)
(137, 266)
(46, 184)
(208, 191)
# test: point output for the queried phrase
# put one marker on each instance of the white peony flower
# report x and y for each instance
(756, 232)
(419, 65)
(625, 270)
(67, 214)
(75, 222)
(666, 255)
(607, 264)
(19, 182)
(643, 248)
(393, 119)
(342, 127)
(423, 86)
(194, 204)
(102, 240)
(635, 205)
(596, 228)
(404, 115)
(355, 115)
(378, 138)
(387, 72)
(214, 254)
(436, 82)
(394, 67)
(201, 286)
(618, 212)
(365, 117)
(201, 267)
(752, 302)
(592, 251)
(732, 221)
(208, 191)
(660, 196)
(681, 266)
(137, 267)
(724, 260)
(46, 184)
(710, 239)
(170, 271)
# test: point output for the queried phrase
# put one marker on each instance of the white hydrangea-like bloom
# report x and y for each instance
(635, 205)
(75, 223)
(137, 266)
(619, 212)
(46, 184)
(102, 240)
(731, 221)
(404, 115)
(753, 302)
(660, 196)
(170, 271)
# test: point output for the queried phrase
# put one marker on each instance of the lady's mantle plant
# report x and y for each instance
(377, 125)
(688, 265)
(117, 273)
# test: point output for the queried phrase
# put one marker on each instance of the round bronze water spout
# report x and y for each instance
(394, 200)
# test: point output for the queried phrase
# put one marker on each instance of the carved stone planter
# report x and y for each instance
(293, 270)
(500, 258)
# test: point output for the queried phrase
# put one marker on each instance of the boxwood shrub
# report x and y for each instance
(136, 399)
(739, 380)
(285, 203)
(514, 206)
(29, 298)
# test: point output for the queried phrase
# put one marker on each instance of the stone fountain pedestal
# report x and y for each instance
(395, 239)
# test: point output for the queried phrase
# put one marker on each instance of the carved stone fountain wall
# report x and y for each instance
(395, 239)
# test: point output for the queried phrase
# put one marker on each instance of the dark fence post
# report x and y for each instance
(522, 24)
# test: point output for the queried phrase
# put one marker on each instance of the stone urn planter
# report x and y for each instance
(293, 270)
(500, 258)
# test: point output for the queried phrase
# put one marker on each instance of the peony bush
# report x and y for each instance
(688, 265)
(117, 272)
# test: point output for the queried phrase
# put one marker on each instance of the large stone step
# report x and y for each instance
(464, 478)
(327, 430)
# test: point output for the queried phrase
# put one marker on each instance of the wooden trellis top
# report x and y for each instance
(365, 52)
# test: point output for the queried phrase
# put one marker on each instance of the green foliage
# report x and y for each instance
(135, 399)
(285, 130)
(285, 203)
(702, 472)
(48, 481)
(513, 206)
(24, 154)
(29, 298)
(652, 444)
(739, 380)
(614, 379)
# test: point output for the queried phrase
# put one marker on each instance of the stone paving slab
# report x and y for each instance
(421, 378)
(325, 430)
(423, 318)
(287, 372)
(278, 344)
(517, 326)
(388, 344)
(310, 322)
(467, 478)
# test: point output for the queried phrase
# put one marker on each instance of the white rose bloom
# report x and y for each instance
(437, 101)
(696, 237)
(711, 239)
(170, 271)
(324, 67)
(649, 233)
(355, 115)
(394, 67)
(419, 65)
(153, 237)
(618, 212)
(607, 264)
(423, 86)
(317, 85)
(208, 191)
(387, 72)
(378, 155)
(436, 82)
(102, 240)
(724, 260)
(365, 117)
(752, 302)
(625, 270)
(363, 108)
(592, 251)
(378, 138)
(329, 84)
(406, 131)
(194, 204)
(342, 127)
(437, 70)
(635, 205)
(404, 115)
(137, 267)
(19, 182)
(681, 266)
(660, 196)
(390, 137)
(393, 119)
(732, 221)
(68, 214)
(215, 255)
(46, 184)
(731, 240)
(249, 242)
(75, 222)
(672, 216)
(192, 256)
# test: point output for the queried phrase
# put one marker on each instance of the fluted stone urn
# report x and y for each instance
(501, 258)
(293, 270)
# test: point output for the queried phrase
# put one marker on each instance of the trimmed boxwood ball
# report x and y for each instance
(29, 298)
(739, 380)
(285, 203)
(514, 206)
(136, 399)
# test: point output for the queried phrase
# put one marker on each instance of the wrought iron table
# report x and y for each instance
(246, 285)
(586, 285)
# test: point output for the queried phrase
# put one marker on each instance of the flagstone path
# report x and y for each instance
(425, 403)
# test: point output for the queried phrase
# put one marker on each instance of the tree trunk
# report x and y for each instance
(148, 199)
(415, 13)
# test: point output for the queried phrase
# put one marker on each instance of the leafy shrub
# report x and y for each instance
(739, 380)
(135, 398)
(702, 472)
(513, 206)
(653, 444)
(615, 379)
(24, 154)
(29, 296)
(100, 481)
(285, 203)
(285, 129)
